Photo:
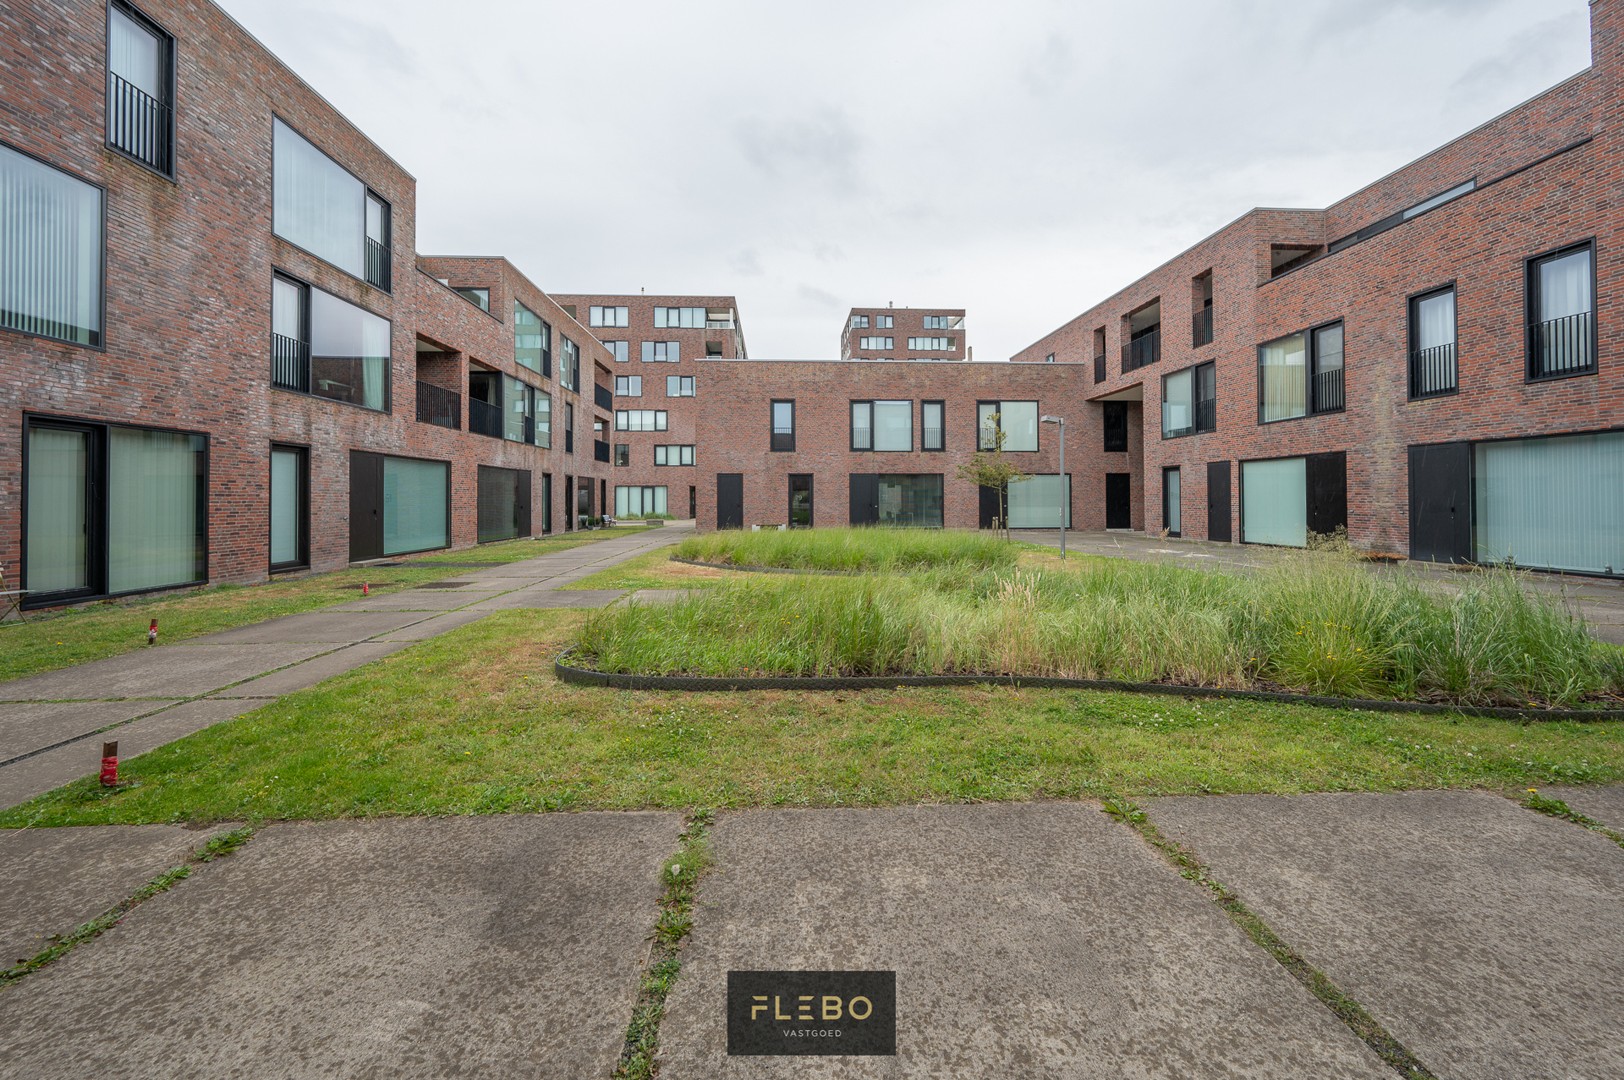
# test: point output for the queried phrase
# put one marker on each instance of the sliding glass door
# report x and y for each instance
(59, 513)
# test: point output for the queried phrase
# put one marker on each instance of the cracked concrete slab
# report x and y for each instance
(311, 672)
(1484, 936)
(1030, 941)
(26, 726)
(334, 626)
(168, 671)
(496, 946)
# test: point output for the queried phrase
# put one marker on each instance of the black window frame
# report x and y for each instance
(981, 446)
(171, 62)
(1412, 338)
(1311, 406)
(1110, 427)
(464, 290)
(1531, 306)
(780, 442)
(626, 380)
(100, 344)
(941, 427)
(367, 190)
(622, 455)
(303, 560)
(1196, 427)
(306, 289)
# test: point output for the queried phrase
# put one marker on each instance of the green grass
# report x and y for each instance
(47, 641)
(1315, 622)
(654, 570)
(473, 722)
(874, 549)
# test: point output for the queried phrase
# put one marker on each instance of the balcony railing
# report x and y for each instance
(140, 125)
(1142, 350)
(1432, 371)
(604, 397)
(438, 406)
(1206, 414)
(1328, 395)
(1099, 368)
(1565, 346)
(1201, 327)
(377, 264)
(600, 450)
(290, 363)
(484, 418)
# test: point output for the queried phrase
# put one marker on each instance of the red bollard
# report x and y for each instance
(364, 589)
(109, 769)
(152, 633)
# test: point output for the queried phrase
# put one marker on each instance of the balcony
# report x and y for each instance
(1142, 351)
(377, 264)
(140, 125)
(1206, 414)
(1328, 396)
(290, 363)
(1099, 368)
(600, 450)
(1432, 371)
(1560, 347)
(604, 397)
(1201, 328)
(484, 418)
(438, 406)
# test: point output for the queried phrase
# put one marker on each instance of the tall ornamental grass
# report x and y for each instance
(1318, 622)
(872, 549)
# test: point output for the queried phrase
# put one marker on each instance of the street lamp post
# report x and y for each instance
(1065, 489)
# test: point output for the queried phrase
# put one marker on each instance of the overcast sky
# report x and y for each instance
(1021, 159)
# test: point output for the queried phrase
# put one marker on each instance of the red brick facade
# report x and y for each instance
(905, 324)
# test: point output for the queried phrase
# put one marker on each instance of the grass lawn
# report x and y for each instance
(473, 722)
(655, 570)
(868, 549)
(47, 641)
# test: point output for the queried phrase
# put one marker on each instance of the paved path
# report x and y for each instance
(49, 724)
(1030, 941)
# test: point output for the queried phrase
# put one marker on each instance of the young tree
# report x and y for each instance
(992, 469)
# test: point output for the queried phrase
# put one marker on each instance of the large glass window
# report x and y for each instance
(544, 419)
(1035, 503)
(289, 508)
(569, 365)
(783, 426)
(140, 105)
(1283, 378)
(57, 491)
(1015, 421)
(911, 501)
(880, 342)
(931, 425)
(859, 322)
(674, 455)
(882, 425)
(1274, 502)
(1562, 314)
(502, 503)
(328, 347)
(519, 410)
(599, 315)
(320, 206)
(1173, 502)
(532, 341)
(679, 386)
(618, 349)
(640, 420)
(631, 502)
(415, 499)
(50, 251)
(1432, 344)
(679, 317)
(628, 386)
(661, 352)
(938, 344)
(1178, 403)
(479, 296)
(1556, 503)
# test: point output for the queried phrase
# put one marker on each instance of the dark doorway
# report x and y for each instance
(800, 501)
(693, 502)
(366, 506)
(989, 507)
(1441, 502)
(1218, 500)
(546, 502)
(1327, 492)
(569, 502)
(1118, 500)
(502, 503)
(730, 500)
(1116, 426)
(865, 499)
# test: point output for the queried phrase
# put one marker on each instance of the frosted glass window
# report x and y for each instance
(154, 525)
(1283, 374)
(415, 497)
(633, 502)
(1035, 503)
(58, 510)
(893, 425)
(1552, 503)
(317, 204)
(1019, 420)
(1178, 403)
(136, 55)
(287, 507)
(1274, 502)
(50, 251)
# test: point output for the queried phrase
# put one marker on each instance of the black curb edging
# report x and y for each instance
(586, 677)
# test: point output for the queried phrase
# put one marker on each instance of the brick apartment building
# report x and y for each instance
(893, 333)
(220, 358)
(656, 344)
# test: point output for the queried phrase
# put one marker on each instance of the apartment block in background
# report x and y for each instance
(893, 333)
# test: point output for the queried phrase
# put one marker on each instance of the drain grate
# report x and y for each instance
(442, 584)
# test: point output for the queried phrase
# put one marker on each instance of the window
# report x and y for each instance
(328, 347)
(928, 343)
(1036, 502)
(1010, 425)
(859, 322)
(501, 504)
(1433, 368)
(942, 322)
(884, 322)
(1562, 313)
(1115, 417)
(874, 343)
(416, 505)
(606, 316)
(1554, 503)
(628, 386)
(931, 415)
(800, 500)
(140, 88)
(882, 425)
(50, 251)
(1049, 359)
(1172, 508)
(623, 454)
(519, 411)
(640, 419)
(1201, 309)
(544, 419)
(1300, 374)
(532, 341)
(569, 365)
(112, 510)
(1143, 330)
(900, 500)
(1285, 257)
(1274, 502)
(633, 502)
(1189, 401)
(679, 386)
(617, 349)
(673, 455)
(661, 352)
(290, 507)
(1099, 354)
(687, 318)
(569, 427)
(783, 426)
(318, 205)
(479, 297)
(1438, 200)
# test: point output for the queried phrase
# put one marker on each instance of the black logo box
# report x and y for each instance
(785, 1013)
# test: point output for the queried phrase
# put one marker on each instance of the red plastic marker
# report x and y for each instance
(152, 633)
(364, 589)
(109, 769)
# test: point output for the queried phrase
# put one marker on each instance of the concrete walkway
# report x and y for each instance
(52, 725)
(1030, 941)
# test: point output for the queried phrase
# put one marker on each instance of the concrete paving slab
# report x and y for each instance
(58, 879)
(1029, 941)
(548, 598)
(1603, 804)
(26, 726)
(335, 625)
(422, 600)
(168, 671)
(1485, 937)
(311, 672)
(496, 946)
(435, 626)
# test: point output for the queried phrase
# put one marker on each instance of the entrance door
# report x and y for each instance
(1441, 502)
(1172, 501)
(1218, 498)
(693, 503)
(1118, 500)
(366, 506)
(569, 502)
(988, 517)
(800, 501)
(730, 500)
(546, 502)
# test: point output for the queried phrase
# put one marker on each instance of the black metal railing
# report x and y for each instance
(1206, 414)
(484, 418)
(1565, 346)
(290, 363)
(140, 125)
(604, 397)
(1328, 391)
(1142, 350)
(1201, 327)
(600, 450)
(1099, 368)
(377, 264)
(438, 406)
(1432, 371)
